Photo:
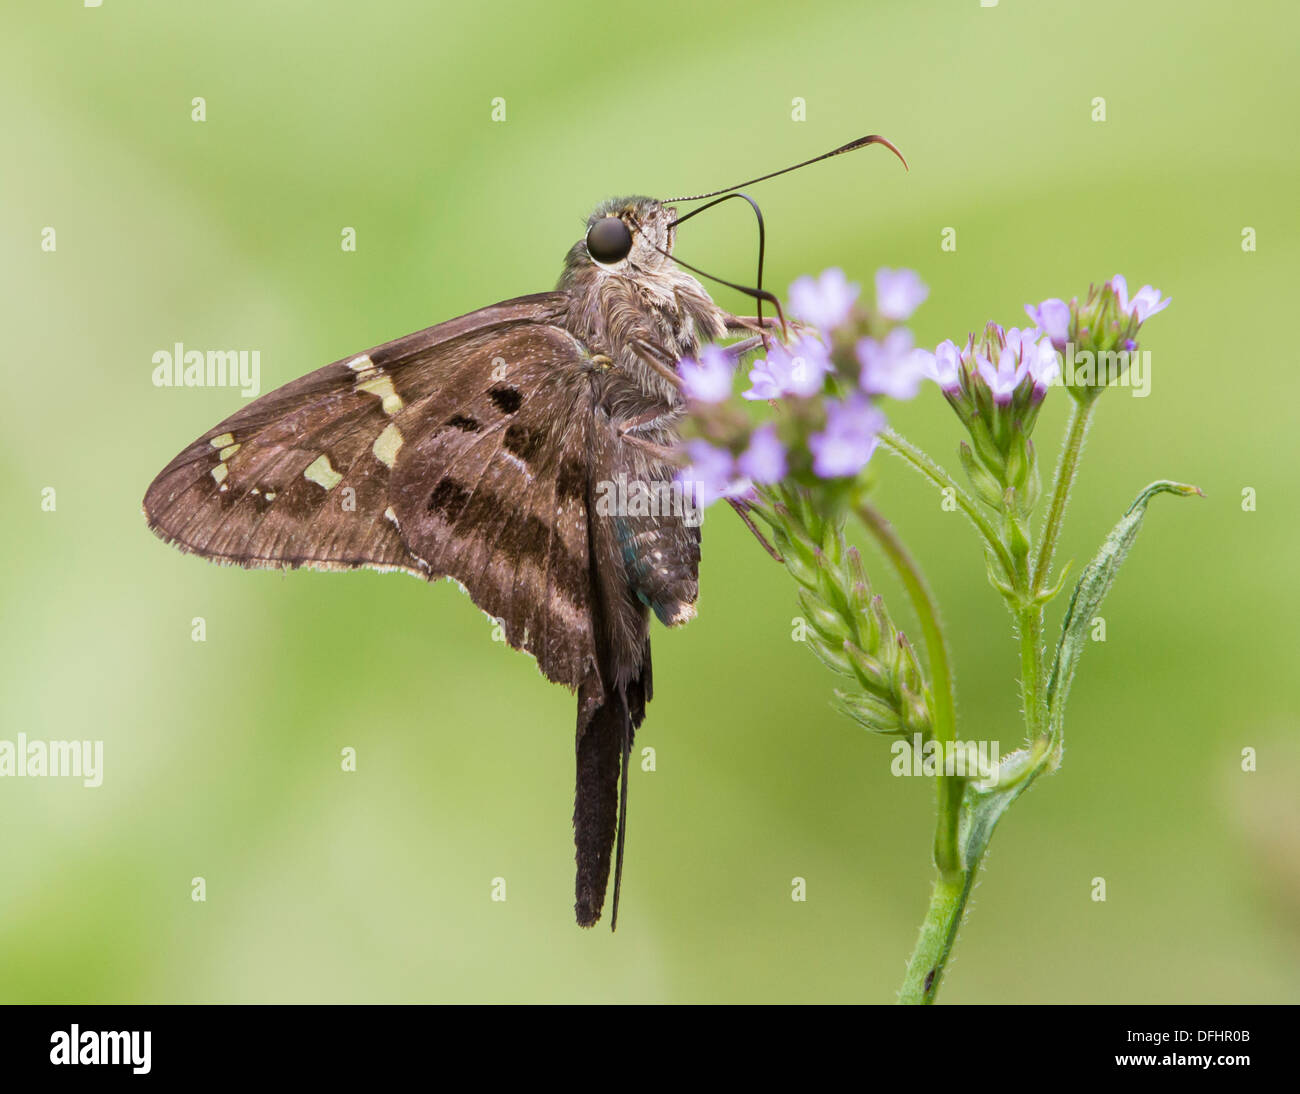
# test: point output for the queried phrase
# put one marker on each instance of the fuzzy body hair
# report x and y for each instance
(645, 299)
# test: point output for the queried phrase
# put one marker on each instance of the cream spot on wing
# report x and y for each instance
(381, 384)
(222, 441)
(220, 472)
(270, 495)
(387, 444)
(321, 473)
(228, 451)
(518, 463)
(393, 517)
(357, 364)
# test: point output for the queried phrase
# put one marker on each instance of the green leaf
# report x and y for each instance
(1094, 584)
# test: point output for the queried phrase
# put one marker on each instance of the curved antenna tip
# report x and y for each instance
(876, 138)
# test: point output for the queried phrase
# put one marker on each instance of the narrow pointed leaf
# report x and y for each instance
(1094, 583)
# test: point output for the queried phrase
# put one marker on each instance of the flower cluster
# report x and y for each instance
(996, 386)
(1104, 327)
(799, 470)
(823, 386)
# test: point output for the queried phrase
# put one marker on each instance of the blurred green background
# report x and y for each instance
(222, 758)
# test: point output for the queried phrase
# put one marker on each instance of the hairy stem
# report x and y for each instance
(1066, 470)
(952, 889)
(1033, 687)
(938, 933)
(1029, 613)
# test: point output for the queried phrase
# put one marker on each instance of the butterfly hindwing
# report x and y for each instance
(495, 493)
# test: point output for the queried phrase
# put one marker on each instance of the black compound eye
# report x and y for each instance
(609, 240)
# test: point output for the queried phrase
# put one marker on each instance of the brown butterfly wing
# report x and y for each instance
(436, 454)
(470, 450)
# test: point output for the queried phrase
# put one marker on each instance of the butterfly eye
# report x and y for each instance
(609, 240)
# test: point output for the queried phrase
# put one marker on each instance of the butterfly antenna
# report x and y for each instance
(852, 146)
(622, 815)
(755, 294)
(752, 293)
(762, 245)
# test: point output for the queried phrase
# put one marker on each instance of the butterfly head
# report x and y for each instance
(629, 296)
(634, 302)
(629, 235)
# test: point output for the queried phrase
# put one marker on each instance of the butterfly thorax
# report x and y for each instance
(643, 306)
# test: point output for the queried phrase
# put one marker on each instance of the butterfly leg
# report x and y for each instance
(658, 359)
(750, 323)
(744, 346)
(655, 418)
(662, 453)
(742, 511)
(737, 324)
(656, 421)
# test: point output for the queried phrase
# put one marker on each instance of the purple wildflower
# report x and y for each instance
(845, 446)
(1005, 377)
(1018, 353)
(710, 474)
(944, 366)
(1018, 340)
(798, 370)
(1043, 365)
(899, 293)
(708, 379)
(893, 366)
(1052, 317)
(825, 301)
(764, 460)
(1143, 306)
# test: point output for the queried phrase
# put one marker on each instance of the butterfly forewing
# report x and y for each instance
(458, 451)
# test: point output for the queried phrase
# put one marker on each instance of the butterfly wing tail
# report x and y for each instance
(596, 801)
(600, 803)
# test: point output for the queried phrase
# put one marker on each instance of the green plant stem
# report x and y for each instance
(1029, 612)
(946, 852)
(1033, 688)
(929, 959)
(952, 888)
(1066, 470)
(919, 461)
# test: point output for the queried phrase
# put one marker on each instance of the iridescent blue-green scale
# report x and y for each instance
(640, 568)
